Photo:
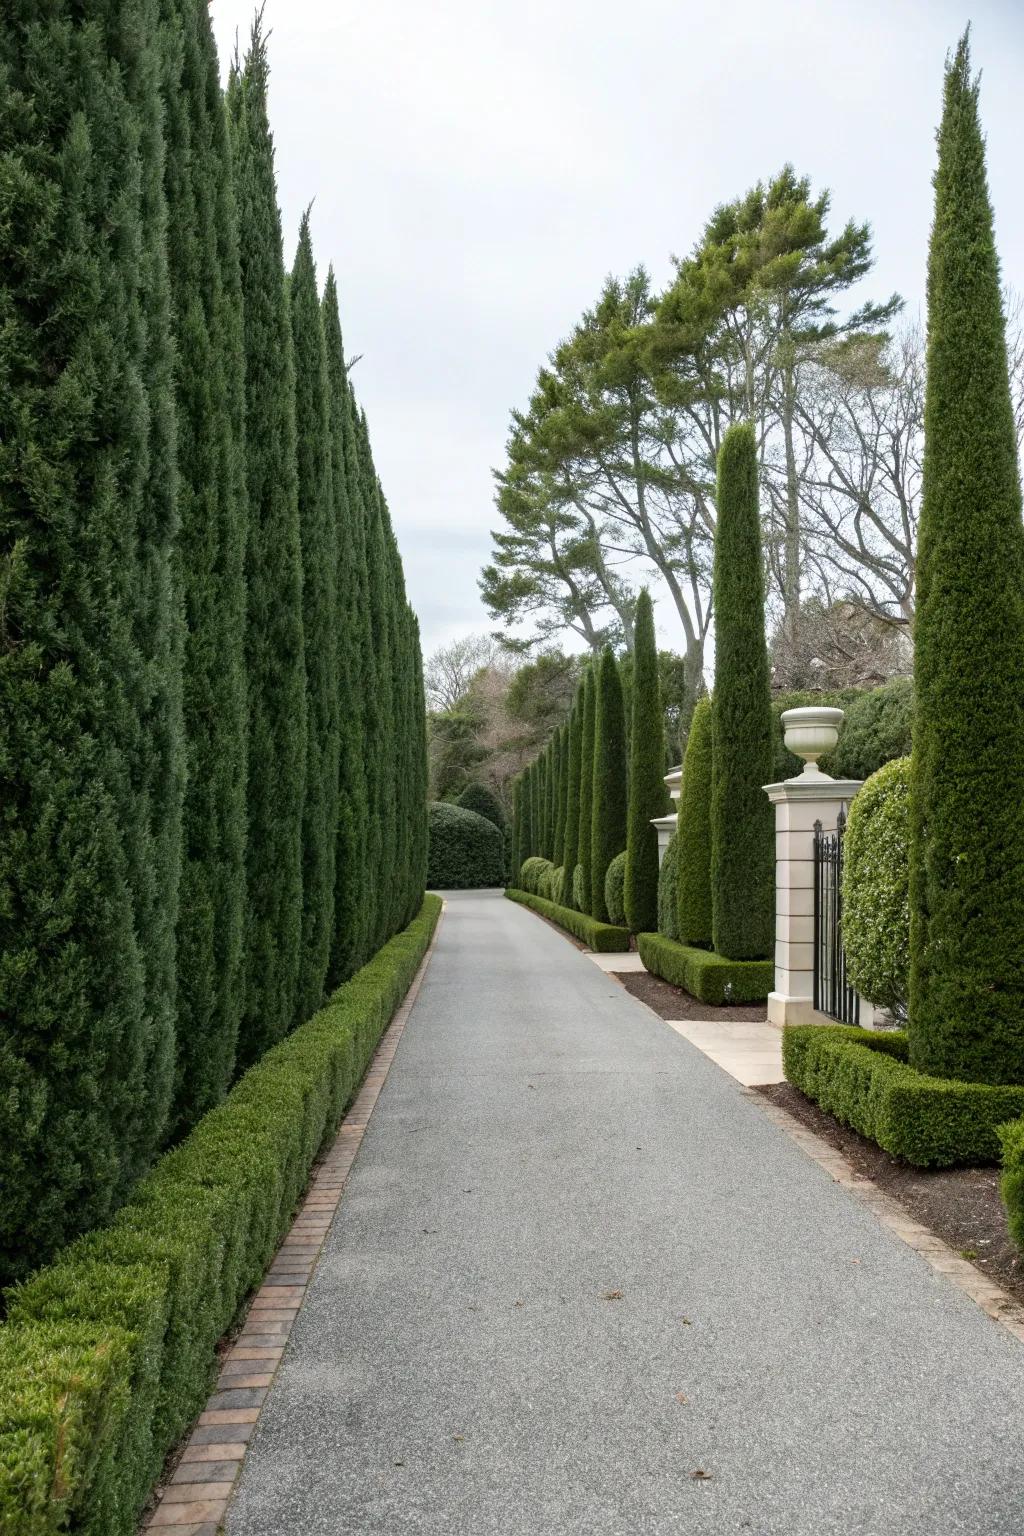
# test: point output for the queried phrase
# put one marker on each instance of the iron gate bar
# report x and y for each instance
(833, 993)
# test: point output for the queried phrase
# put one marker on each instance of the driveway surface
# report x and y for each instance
(579, 1283)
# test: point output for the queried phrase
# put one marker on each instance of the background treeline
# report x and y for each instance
(212, 760)
(609, 478)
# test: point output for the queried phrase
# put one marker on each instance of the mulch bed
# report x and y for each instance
(961, 1205)
(670, 1002)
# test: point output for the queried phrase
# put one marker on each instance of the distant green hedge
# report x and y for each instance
(864, 1079)
(704, 974)
(108, 1354)
(604, 938)
(466, 850)
(1012, 1185)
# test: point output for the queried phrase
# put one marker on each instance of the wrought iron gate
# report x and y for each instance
(832, 991)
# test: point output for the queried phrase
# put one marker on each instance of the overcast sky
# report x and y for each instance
(478, 168)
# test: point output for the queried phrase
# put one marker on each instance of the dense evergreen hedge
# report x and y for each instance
(648, 793)
(207, 661)
(107, 1356)
(615, 891)
(466, 851)
(693, 830)
(668, 888)
(705, 975)
(482, 799)
(878, 728)
(603, 938)
(863, 1078)
(1012, 1183)
(608, 810)
(742, 821)
(966, 1017)
(876, 906)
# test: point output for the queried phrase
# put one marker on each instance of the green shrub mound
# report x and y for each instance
(532, 873)
(705, 975)
(603, 938)
(876, 894)
(668, 891)
(1012, 1183)
(558, 887)
(578, 894)
(865, 1080)
(466, 851)
(482, 799)
(877, 730)
(108, 1355)
(615, 890)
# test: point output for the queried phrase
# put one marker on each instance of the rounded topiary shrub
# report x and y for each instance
(466, 850)
(876, 907)
(615, 890)
(532, 874)
(876, 730)
(482, 799)
(668, 897)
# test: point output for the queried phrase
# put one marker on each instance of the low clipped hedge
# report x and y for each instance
(466, 851)
(604, 938)
(108, 1354)
(1012, 1185)
(705, 975)
(865, 1080)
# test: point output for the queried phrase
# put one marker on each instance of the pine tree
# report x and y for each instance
(648, 796)
(742, 826)
(966, 1014)
(608, 813)
(275, 659)
(586, 832)
(319, 544)
(694, 832)
(570, 851)
(210, 392)
(89, 799)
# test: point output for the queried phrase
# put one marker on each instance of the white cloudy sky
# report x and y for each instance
(479, 166)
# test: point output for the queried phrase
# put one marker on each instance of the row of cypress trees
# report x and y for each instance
(212, 743)
(585, 799)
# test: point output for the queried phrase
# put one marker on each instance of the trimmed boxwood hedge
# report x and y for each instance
(467, 851)
(615, 890)
(705, 975)
(604, 938)
(863, 1077)
(1012, 1186)
(108, 1355)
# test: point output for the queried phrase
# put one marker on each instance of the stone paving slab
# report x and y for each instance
(751, 1052)
(581, 1283)
(619, 962)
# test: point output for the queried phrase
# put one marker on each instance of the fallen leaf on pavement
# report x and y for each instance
(613, 1295)
(700, 1476)
(681, 1397)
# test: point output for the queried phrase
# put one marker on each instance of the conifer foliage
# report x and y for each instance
(966, 1012)
(608, 810)
(742, 824)
(693, 837)
(648, 794)
(212, 727)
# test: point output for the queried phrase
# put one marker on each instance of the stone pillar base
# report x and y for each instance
(794, 1010)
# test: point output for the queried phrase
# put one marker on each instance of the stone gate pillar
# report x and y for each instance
(799, 802)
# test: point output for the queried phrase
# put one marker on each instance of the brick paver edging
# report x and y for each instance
(195, 1501)
(990, 1297)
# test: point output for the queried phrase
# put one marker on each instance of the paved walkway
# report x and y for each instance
(579, 1283)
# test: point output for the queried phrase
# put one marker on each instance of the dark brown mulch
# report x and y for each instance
(670, 1002)
(961, 1205)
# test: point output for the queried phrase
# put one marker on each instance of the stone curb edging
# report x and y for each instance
(195, 1501)
(990, 1297)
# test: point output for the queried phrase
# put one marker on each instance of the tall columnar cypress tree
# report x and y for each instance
(570, 851)
(210, 393)
(516, 859)
(535, 808)
(89, 802)
(648, 796)
(562, 753)
(319, 543)
(608, 813)
(381, 798)
(693, 834)
(542, 803)
(742, 826)
(586, 831)
(350, 663)
(275, 659)
(966, 1015)
(552, 796)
